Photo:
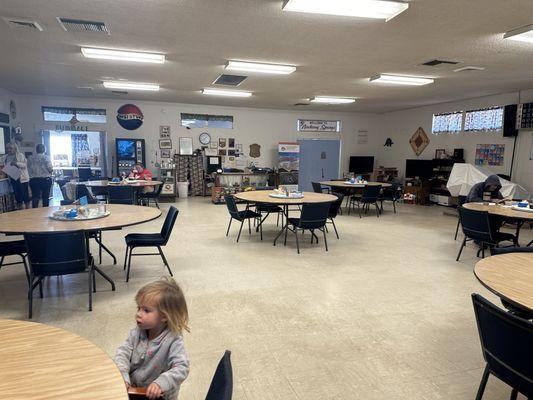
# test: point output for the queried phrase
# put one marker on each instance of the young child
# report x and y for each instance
(154, 356)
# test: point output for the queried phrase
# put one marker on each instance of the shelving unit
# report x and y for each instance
(231, 183)
(438, 192)
(167, 175)
(191, 169)
(381, 174)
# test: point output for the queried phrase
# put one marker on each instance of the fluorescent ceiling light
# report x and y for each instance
(123, 85)
(260, 67)
(120, 55)
(379, 9)
(401, 80)
(229, 93)
(523, 34)
(332, 100)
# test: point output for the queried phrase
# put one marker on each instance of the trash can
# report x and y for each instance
(183, 189)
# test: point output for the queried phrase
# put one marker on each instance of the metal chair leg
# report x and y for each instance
(229, 226)
(129, 265)
(165, 260)
(126, 257)
(335, 227)
(30, 299)
(325, 240)
(249, 227)
(483, 383)
(91, 275)
(514, 394)
(461, 249)
(240, 230)
(457, 229)
(297, 243)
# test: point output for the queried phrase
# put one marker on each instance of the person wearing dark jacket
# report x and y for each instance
(485, 191)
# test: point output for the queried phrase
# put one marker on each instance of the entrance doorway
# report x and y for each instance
(319, 161)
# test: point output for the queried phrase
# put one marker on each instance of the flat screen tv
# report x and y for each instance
(421, 168)
(126, 149)
(361, 164)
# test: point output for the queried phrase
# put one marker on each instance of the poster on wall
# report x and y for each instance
(289, 156)
(490, 154)
(362, 137)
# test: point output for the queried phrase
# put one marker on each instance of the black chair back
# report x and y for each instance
(158, 190)
(232, 206)
(507, 344)
(170, 219)
(476, 225)
(461, 200)
(84, 174)
(494, 251)
(82, 190)
(122, 194)
(317, 187)
(370, 194)
(393, 192)
(314, 215)
(222, 384)
(61, 253)
(336, 205)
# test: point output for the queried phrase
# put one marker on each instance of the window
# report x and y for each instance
(207, 121)
(66, 114)
(484, 120)
(447, 123)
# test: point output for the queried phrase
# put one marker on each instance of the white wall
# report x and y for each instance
(401, 125)
(262, 126)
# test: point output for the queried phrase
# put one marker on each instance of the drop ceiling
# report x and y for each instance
(334, 55)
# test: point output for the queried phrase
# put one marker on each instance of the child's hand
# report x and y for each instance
(153, 391)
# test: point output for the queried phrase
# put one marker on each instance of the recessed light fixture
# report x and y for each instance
(264, 68)
(228, 93)
(401, 80)
(332, 100)
(123, 85)
(378, 9)
(122, 55)
(522, 34)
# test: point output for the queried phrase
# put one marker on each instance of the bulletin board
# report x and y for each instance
(490, 154)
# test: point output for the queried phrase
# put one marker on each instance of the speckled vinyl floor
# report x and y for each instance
(385, 314)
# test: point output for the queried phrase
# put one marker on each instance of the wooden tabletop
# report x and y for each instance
(343, 184)
(498, 209)
(37, 219)
(104, 183)
(509, 276)
(43, 362)
(262, 196)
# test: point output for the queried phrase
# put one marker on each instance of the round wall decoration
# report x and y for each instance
(205, 138)
(130, 117)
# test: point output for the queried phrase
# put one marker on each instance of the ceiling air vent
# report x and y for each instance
(469, 68)
(79, 25)
(434, 63)
(301, 104)
(230, 80)
(23, 24)
(119, 92)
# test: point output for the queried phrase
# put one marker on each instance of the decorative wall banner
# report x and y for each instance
(362, 137)
(315, 125)
(490, 154)
(419, 141)
(130, 117)
(289, 156)
(72, 128)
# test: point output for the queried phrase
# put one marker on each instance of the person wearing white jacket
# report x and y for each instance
(16, 159)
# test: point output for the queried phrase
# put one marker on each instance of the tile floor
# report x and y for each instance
(385, 314)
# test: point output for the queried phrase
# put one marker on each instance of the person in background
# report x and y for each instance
(40, 169)
(154, 355)
(16, 159)
(489, 190)
(139, 172)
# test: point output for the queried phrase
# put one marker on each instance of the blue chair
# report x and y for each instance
(54, 254)
(334, 210)
(14, 248)
(370, 196)
(122, 194)
(158, 240)
(221, 387)
(507, 346)
(241, 216)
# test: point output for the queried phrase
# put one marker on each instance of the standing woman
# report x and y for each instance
(40, 169)
(15, 158)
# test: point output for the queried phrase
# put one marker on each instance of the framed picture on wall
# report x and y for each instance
(222, 142)
(231, 143)
(440, 153)
(165, 153)
(185, 146)
(164, 132)
(165, 143)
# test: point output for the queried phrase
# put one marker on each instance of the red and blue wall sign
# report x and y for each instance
(130, 117)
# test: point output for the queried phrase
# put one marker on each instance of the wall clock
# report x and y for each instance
(205, 138)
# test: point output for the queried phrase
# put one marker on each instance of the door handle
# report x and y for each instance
(322, 173)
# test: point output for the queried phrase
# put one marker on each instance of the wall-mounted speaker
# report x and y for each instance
(509, 120)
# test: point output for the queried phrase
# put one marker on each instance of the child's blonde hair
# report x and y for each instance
(168, 297)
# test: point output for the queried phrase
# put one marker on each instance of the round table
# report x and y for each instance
(509, 276)
(343, 184)
(36, 219)
(44, 362)
(263, 196)
(104, 183)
